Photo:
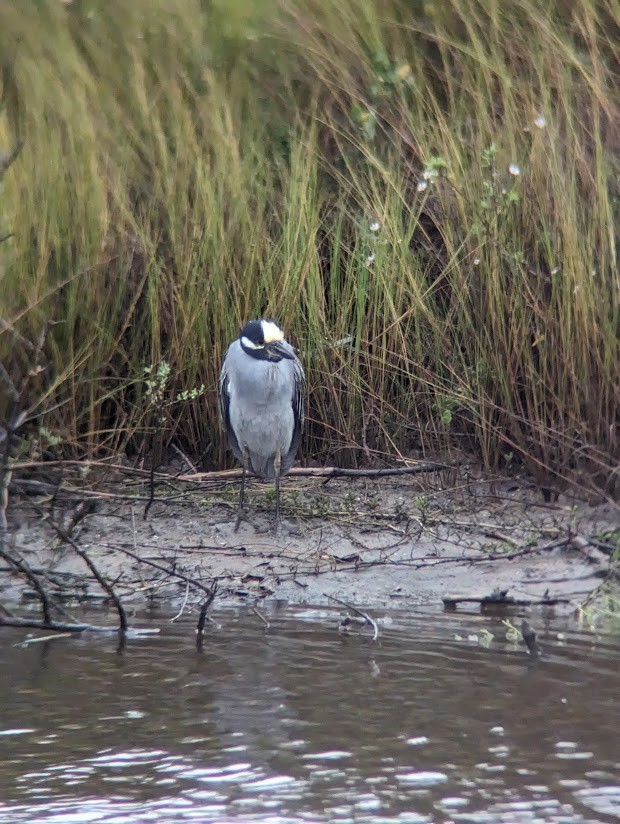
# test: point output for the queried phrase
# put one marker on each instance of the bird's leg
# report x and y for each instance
(277, 465)
(241, 492)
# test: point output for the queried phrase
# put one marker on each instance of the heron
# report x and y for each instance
(261, 394)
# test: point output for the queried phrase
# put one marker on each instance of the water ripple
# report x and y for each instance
(303, 724)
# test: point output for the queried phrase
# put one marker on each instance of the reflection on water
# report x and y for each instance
(301, 723)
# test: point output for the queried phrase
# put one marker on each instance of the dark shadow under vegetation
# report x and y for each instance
(423, 194)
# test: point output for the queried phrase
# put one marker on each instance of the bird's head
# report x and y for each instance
(264, 340)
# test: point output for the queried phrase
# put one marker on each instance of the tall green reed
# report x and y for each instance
(423, 196)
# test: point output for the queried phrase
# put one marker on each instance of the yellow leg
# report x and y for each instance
(277, 465)
(241, 493)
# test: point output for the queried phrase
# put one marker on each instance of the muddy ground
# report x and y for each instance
(376, 543)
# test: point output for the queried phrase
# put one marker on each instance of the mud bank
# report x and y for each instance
(393, 542)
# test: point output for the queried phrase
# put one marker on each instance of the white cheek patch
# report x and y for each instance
(271, 331)
(249, 344)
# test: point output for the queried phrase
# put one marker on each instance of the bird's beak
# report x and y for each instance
(279, 349)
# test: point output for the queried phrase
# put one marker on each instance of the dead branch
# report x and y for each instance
(531, 549)
(203, 609)
(326, 472)
(55, 626)
(22, 566)
(171, 572)
(105, 585)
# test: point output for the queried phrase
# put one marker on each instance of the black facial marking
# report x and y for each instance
(253, 330)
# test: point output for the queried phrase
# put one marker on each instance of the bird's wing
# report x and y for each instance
(298, 403)
(224, 401)
(223, 395)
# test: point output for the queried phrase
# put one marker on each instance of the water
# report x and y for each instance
(301, 723)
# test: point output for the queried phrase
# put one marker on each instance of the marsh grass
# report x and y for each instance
(423, 194)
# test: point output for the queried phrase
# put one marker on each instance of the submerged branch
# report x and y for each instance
(364, 615)
(202, 618)
(55, 626)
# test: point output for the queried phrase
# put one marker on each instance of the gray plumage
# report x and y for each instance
(261, 401)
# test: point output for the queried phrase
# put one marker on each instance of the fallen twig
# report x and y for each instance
(326, 472)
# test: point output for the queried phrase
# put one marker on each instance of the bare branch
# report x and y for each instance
(22, 566)
(172, 572)
(105, 585)
(359, 612)
(326, 472)
(203, 609)
(56, 626)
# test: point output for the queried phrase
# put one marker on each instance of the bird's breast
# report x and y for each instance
(263, 385)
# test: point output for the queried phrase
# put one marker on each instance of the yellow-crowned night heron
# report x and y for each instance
(261, 394)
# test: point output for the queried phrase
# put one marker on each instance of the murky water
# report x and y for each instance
(301, 723)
